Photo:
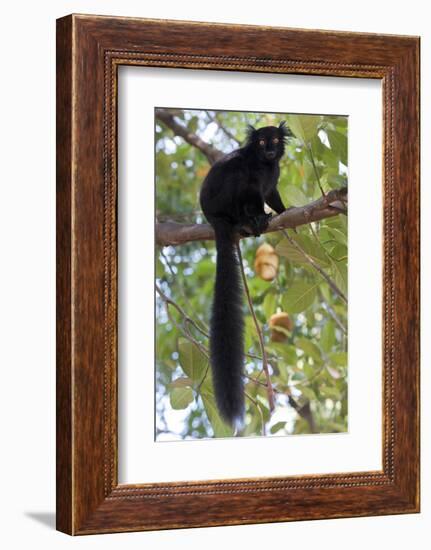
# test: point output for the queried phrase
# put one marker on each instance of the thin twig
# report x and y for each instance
(304, 411)
(204, 329)
(222, 127)
(315, 235)
(269, 388)
(203, 377)
(167, 117)
(332, 313)
(315, 170)
(316, 374)
(256, 381)
(186, 321)
(187, 334)
(258, 407)
(183, 329)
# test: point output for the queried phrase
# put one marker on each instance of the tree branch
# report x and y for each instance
(305, 412)
(227, 132)
(173, 233)
(165, 116)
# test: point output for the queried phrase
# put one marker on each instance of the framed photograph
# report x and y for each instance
(237, 274)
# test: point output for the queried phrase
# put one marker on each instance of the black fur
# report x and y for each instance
(232, 198)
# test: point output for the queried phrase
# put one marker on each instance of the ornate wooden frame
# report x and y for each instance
(89, 51)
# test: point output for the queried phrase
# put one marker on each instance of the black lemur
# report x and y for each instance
(232, 198)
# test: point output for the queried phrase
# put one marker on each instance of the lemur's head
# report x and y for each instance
(268, 142)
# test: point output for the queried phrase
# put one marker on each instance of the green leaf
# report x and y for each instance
(293, 196)
(277, 427)
(181, 382)
(282, 330)
(254, 427)
(326, 293)
(308, 393)
(339, 270)
(310, 246)
(329, 391)
(339, 253)
(309, 348)
(338, 235)
(160, 269)
(338, 144)
(250, 332)
(193, 124)
(307, 369)
(339, 358)
(327, 336)
(313, 249)
(221, 429)
(287, 352)
(336, 427)
(304, 127)
(299, 296)
(285, 248)
(192, 360)
(269, 304)
(181, 397)
(340, 222)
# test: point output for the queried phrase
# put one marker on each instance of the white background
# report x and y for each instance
(141, 458)
(27, 276)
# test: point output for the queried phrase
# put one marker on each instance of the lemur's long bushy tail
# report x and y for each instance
(227, 328)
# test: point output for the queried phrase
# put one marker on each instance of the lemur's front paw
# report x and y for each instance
(260, 224)
(264, 222)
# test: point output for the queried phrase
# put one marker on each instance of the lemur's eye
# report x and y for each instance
(275, 140)
(261, 142)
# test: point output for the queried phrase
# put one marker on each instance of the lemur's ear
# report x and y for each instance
(251, 130)
(284, 129)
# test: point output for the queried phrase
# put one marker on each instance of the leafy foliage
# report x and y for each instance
(308, 364)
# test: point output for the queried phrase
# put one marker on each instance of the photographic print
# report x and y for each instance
(251, 310)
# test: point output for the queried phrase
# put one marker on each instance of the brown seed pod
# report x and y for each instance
(279, 323)
(266, 262)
